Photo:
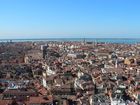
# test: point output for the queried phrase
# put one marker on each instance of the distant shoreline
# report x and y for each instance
(63, 38)
(104, 40)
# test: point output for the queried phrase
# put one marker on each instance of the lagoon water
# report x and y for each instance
(107, 40)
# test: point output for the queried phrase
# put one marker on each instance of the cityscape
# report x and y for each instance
(69, 52)
(69, 73)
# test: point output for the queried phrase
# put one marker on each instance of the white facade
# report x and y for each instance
(50, 72)
(44, 83)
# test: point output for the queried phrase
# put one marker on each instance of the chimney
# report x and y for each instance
(28, 98)
(135, 61)
(116, 63)
(110, 96)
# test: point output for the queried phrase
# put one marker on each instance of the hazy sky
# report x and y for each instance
(69, 18)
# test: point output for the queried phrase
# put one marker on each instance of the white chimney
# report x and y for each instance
(116, 63)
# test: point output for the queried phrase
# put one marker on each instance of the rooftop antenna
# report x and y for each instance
(84, 41)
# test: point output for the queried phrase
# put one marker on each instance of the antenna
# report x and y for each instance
(84, 40)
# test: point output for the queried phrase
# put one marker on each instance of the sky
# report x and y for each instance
(69, 19)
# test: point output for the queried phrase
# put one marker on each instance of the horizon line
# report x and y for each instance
(62, 38)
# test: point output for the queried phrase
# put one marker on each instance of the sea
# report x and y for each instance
(104, 40)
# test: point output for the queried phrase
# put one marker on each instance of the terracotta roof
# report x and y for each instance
(5, 102)
(40, 99)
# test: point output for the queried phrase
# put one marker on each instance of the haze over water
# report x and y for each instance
(107, 40)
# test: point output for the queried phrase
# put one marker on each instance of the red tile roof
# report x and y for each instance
(40, 99)
(5, 102)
